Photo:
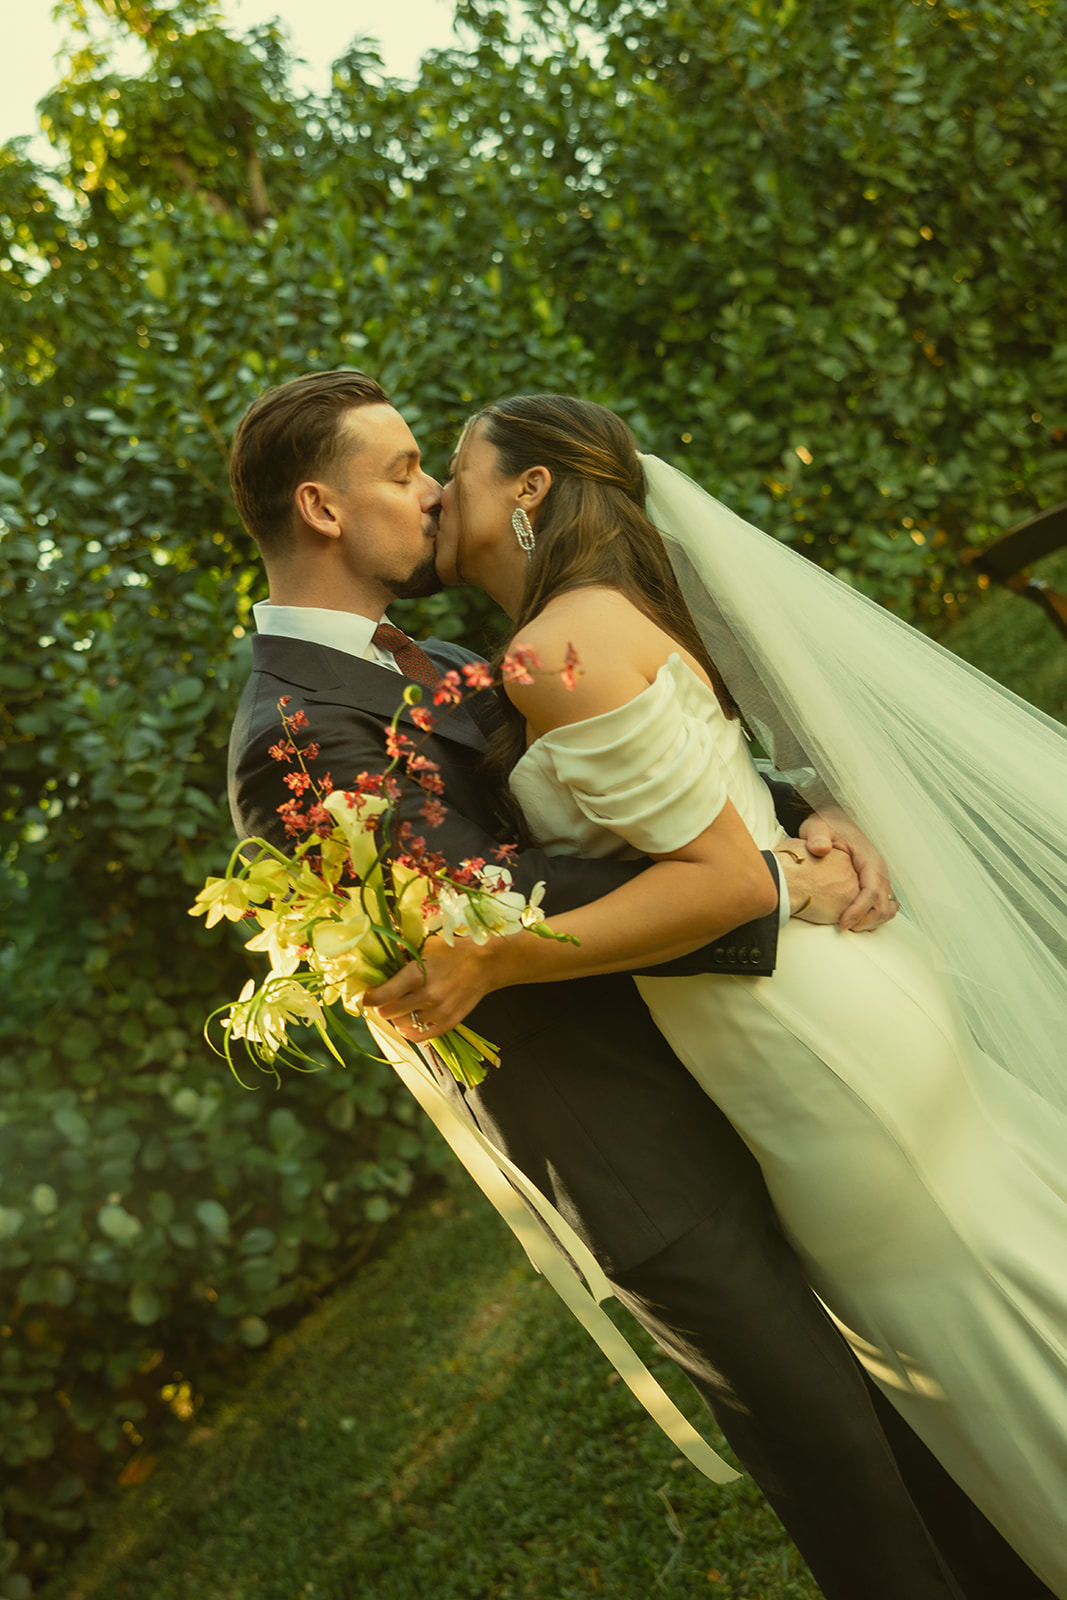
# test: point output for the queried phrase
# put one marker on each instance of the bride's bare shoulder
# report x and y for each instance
(599, 623)
(595, 650)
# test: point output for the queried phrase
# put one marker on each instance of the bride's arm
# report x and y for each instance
(684, 900)
(693, 894)
(690, 896)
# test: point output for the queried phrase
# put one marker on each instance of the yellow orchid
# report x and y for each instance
(262, 1017)
(355, 815)
(231, 897)
(350, 955)
(532, 913)
(268, 877)
(334, 853)
(340, 935)
(223, 897)
(482, 914)
(458, 917)
(360, 976)
(282, 938)
(411, 892)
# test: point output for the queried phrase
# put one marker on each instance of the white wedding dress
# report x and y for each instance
(936, 1238)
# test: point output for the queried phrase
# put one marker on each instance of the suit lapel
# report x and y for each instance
(336, 678)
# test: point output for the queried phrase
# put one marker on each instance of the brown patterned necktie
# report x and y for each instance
(409, 657)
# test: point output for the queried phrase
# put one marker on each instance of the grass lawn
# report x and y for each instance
(439, 1430)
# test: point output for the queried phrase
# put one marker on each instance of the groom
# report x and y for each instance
(589, 1101)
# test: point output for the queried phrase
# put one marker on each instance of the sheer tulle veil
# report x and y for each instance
(961, 785)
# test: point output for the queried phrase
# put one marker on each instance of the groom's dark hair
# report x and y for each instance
(292, 432)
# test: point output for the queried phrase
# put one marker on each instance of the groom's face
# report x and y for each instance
(386, 505)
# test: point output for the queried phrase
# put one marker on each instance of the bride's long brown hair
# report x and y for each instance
(591, 530)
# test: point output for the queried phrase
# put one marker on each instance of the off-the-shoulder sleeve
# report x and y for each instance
(648, 771)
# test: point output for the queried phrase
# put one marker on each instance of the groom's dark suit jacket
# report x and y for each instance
(589, 1101)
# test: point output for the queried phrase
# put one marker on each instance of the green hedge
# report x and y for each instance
(154, 1211)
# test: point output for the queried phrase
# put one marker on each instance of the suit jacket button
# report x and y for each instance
(719, 952)
(755, 956)
(731, 954)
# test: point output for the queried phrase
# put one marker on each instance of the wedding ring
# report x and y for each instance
(893, 901)
(417, 1022)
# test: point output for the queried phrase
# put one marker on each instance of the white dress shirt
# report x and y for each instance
(338, 630)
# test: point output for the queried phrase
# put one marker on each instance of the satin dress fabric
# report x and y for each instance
(932, 1224)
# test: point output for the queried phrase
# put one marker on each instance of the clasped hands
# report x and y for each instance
(838, 872)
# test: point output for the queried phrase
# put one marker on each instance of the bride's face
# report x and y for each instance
(475, 537)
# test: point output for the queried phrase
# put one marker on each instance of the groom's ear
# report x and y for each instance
(536, 482)
(313, 505)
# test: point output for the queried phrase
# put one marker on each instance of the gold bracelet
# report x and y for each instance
(799, 909)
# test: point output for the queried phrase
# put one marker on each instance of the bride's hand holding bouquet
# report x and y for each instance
(360, 897)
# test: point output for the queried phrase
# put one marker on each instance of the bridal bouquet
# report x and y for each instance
(358, 897)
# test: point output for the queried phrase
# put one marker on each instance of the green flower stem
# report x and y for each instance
(461, 1059)
(484, 1046)
(263, 848)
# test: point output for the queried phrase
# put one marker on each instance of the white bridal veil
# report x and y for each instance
(961, 785)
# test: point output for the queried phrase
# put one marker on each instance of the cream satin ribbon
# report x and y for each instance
(495, 1174)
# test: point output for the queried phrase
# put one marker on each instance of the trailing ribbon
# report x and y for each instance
(495, 1175)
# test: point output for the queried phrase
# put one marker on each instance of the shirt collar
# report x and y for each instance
(339, 630)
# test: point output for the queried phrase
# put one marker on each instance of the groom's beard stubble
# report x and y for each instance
(419, 583)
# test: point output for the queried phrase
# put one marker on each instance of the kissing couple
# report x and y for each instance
(817, 1147)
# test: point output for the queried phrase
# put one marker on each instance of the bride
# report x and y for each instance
(903, 1090)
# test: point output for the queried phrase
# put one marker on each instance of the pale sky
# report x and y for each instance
(319, 30)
